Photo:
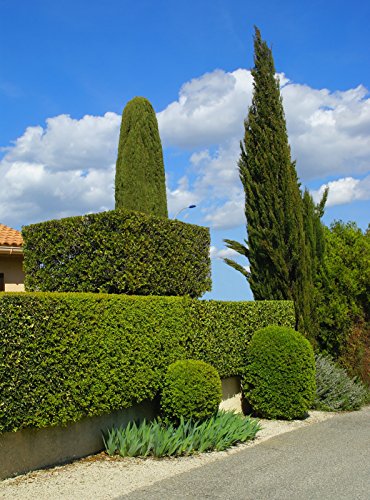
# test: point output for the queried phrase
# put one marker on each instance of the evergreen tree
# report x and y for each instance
(140, 177)
(344, 297)
(278, 255)
(314, 231)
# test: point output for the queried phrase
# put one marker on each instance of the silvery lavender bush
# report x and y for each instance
(335, 390)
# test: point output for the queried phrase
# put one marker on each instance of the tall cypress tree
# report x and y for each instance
(276, 247)
(140, 177)
(315, 240)
(314, 231)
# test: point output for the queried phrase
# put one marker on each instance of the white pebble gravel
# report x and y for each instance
(101, 478)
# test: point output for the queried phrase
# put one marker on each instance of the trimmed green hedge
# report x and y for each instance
(65, 356)
(120, 251)
(221, 330)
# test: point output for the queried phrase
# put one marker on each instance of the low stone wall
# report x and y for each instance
(32, 449)
(231, 395)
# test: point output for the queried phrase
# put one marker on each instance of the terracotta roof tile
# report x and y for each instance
(10, 237)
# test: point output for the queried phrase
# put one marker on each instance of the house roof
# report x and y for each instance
(10, 237)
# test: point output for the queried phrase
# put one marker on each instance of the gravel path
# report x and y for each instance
(100, 477)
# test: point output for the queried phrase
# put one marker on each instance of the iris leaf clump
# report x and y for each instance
(163, 439)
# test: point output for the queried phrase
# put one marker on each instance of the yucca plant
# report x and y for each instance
(161, 438)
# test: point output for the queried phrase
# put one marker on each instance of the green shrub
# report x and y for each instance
(161, 439)
(221, 331)
(335, 390)
(65, 356)
(279, 379)
(344, 298)
(120, 251)
(140, 182)
(191, 389)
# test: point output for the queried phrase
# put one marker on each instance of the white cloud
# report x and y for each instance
(228, 215)
(329, 131)
(67, 167)
(224, 253)
(32, 193)
(329, 134)
(218, 172)
(345, 190)
(181, 197)
(69, 144)
(209, 110)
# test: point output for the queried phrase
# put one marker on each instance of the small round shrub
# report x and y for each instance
(192, 390)
(279, 379)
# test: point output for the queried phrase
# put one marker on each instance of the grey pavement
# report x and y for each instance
(328, 460)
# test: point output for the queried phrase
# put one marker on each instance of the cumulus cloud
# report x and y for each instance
(210, 110)
(31, 192)
(69, 144)
(67, 166)
(230, 214)
(345, 190)
(181, 197)
(224, 253)
(329, 131)
(218, 172)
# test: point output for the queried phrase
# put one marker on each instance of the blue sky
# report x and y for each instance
(68, 68)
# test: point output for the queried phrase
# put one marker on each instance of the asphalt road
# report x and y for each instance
(328, 460)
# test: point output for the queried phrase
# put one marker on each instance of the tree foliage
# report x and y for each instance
(344, 297)
(314, 230)
(140, 177)
(277, 250)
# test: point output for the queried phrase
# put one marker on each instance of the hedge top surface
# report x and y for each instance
(119, 251)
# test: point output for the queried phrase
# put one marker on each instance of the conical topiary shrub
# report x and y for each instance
(140, 178)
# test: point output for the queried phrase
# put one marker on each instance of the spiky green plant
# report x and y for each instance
(161, 438)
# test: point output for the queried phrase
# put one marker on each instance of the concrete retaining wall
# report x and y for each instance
(32, 449)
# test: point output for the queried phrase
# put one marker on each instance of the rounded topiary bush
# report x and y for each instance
(191, 389)
(279, 379)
